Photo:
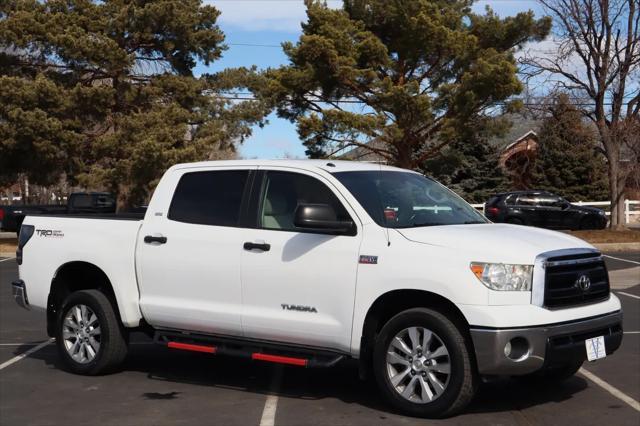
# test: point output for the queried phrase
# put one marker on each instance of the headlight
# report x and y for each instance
(498, 276)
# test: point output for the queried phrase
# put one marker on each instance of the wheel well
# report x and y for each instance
(389, 304)
(72, 277)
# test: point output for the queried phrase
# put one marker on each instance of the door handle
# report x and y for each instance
(257, 246)
(153, 239)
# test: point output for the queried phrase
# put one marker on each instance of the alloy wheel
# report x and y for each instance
(81, 334)
(418, 365)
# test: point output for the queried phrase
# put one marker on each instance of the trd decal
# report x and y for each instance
(49, 233)
(368, 260)
(298, 308)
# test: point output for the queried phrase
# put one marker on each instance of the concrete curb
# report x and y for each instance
(614, 247)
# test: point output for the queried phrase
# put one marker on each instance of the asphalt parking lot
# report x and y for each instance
(161, 386)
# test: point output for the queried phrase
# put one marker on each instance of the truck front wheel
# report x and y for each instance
(89, 337)
(422, 364)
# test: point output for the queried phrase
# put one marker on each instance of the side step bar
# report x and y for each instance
(246, 349)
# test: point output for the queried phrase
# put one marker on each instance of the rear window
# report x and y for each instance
(493, 201)
(80, 201)
(511, 200)
(209, 198)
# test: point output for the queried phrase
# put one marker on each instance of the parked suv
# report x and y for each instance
(307, 263)
(542, 209)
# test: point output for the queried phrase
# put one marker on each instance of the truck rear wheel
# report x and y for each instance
(423, 365)
(89, 336)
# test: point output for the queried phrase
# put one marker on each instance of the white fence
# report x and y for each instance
(631, 207)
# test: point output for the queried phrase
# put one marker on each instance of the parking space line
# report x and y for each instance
(20, 344)
(628, 294)
(612, 390)
(271, 404)
(8, 258)
(25, 354)
(632, 332)
(623, 260)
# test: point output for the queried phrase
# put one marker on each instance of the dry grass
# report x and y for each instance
(8, 245)
(608, 236)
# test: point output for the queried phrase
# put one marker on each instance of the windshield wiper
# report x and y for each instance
(423, 224)
(471, 222)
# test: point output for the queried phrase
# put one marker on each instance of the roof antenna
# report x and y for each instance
(384, 215)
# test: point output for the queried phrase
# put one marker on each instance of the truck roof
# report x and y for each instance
(331, 166)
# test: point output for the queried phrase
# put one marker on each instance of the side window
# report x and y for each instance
(526, 200)
(549, 201)
(284, 191)
(209, 198)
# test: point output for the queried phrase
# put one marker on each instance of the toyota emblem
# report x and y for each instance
(583, 283)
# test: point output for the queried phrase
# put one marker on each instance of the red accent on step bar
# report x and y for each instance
(190, 347)
(280, 359)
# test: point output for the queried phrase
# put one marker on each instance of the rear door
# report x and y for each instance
(301, 288)
(551, 213)
(527, 208)
(188, 257)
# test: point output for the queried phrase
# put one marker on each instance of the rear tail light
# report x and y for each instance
(493, 211)
(1, 214)
(26, 232)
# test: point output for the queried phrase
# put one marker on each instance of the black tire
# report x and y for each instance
(463, 380)
(113, 342)
(515, 221)
(553, 375)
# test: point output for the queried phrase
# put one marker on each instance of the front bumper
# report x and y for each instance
(547, 345)
(19, 290)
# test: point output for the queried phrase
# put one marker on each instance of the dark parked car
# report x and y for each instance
(11, 217)
(542, 209)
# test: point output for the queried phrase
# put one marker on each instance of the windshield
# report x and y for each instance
(407, 200)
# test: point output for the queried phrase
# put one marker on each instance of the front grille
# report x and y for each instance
(562, 275)
(579, 338)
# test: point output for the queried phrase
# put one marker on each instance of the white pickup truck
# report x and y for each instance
(311, 262)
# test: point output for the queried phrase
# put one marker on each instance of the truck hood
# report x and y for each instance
(492, 242)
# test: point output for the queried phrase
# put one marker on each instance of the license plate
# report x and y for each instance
(595, 348)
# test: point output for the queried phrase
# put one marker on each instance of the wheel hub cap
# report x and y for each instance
(81, 334)
(418, 365)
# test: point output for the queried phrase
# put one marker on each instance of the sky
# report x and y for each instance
(254, 30)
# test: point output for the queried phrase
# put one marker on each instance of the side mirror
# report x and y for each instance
(321, 218)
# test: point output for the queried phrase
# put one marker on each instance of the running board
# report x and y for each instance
(267, 352)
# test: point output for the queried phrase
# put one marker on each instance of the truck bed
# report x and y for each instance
(107, 241)
(103, 216)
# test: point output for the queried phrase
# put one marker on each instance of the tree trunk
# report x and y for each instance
(616, 190)
(404, 156)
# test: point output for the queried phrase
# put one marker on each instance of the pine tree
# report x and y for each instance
(470, 169)
(568, 160)
(413, 75)
(104, 91)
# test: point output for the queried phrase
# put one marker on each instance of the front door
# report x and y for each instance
(298, 287)
(188, 257)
